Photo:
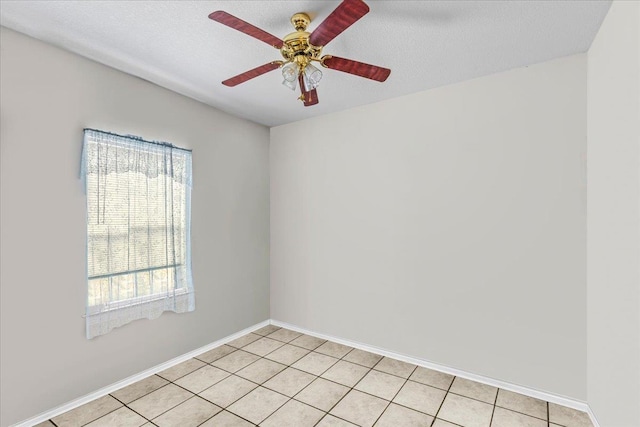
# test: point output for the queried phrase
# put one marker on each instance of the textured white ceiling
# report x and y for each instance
(425, 43)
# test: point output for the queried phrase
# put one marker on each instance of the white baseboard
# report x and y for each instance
(542, 395)
(592, 416)
(134, 378)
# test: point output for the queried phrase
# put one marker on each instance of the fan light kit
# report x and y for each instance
(300, 48)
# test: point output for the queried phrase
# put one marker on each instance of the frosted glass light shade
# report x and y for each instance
(312, 77)
(290, 84)
(290, 72)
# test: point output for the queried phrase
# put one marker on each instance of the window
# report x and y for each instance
(138, 230)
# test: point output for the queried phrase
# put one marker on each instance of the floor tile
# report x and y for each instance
(432, 378)
(395, 367)
(261, 370)
(360, 408)
(466, 412)
(45, 424)
(293, 414)
(191, 413)
(139, 389)
(258, 405)
(216, 353)
(284, 335)
(88, 412)
(322, 394)
(420, 397)
(266, 330)
(123, 417)
(521, 403)
(345, 373)
(567, 416)
(308, 342)
(235, 361)
(226, 419)
(290, 381)
(202, 379)
(287, 354)
(315, 363)
(334, 349)
(159, 401)
(380, 384)
(442, 423)
(228, 391)
(244, 340)
(331, 421)
(181, 369)
(395, 416)
(263, 346)
(474, 390)
(506, 418)
(362, 357)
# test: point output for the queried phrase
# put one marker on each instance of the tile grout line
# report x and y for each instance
(370, 369)
(220, 412)
(563, 401)
(493, 410)
(516, 411)
(133, 410)
(225, 408)
(318, 376)
(95, 419)
(247, 379)
(197, 395)
(210, 364)
(262, 385)
(174, 406)
(445, 398)
(372, 395)
(397, 392)
(326, 379)
(348, 391)
(511, 410)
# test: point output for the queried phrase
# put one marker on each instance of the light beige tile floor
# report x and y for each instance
(275, 377)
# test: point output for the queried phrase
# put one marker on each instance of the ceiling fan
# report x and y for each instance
(300, 48)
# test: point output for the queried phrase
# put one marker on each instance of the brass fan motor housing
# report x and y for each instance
(296, 47)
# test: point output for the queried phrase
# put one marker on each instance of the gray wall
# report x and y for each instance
(48, 96)
(613, 233)
(447, 225)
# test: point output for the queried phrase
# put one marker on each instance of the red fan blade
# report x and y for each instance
(242, 26)
(248, 75)
(348, 12)
(357, 68)
(311, 97)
